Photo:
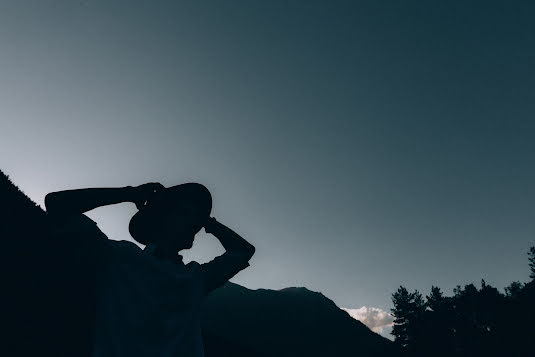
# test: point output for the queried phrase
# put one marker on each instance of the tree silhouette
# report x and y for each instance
(513, 290)
(482, 322)
(408, 314)
(401, 300)
(438, 324)
(531, 257)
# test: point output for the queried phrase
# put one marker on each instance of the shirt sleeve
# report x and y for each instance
(222, 268)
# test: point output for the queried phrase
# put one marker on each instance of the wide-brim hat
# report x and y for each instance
(142, 224)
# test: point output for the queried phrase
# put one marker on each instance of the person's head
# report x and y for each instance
(178, 227)
(172, 217)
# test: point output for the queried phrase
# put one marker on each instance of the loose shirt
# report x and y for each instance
(146, 306)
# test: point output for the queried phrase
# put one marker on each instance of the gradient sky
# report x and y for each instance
(359, 145)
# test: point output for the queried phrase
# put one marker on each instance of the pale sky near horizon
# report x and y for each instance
(359, 146)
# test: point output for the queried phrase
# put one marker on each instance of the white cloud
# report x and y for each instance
(377, 320)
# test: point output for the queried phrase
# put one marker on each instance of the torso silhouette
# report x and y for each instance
(145, 306)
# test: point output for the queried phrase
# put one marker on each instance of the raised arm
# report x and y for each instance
(72, 202)
(237, 254)
(230, 240)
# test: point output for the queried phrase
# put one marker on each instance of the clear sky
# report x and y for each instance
(359, 145)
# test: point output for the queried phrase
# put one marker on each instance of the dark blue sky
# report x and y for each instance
(357, 145)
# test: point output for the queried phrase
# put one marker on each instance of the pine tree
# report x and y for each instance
(513, 290)
(531, 257)
(402, 301)
(438, 336)
(408, 312)
(435, 300)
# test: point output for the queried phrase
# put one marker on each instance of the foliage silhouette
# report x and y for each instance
(531, 257)
(472, 322)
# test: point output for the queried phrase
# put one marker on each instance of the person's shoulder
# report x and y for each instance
(122, 249)
(74, 222)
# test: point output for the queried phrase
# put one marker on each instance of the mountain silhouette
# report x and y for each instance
(288, 322)
(49, 302)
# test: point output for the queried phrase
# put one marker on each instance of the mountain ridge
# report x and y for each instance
(289, 322)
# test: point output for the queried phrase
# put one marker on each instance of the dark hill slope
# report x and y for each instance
(47, 293)
(289, 322)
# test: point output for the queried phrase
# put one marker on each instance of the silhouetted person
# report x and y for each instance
(147, 302)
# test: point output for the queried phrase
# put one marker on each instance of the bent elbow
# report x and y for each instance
(250, 251)
(49, 200)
